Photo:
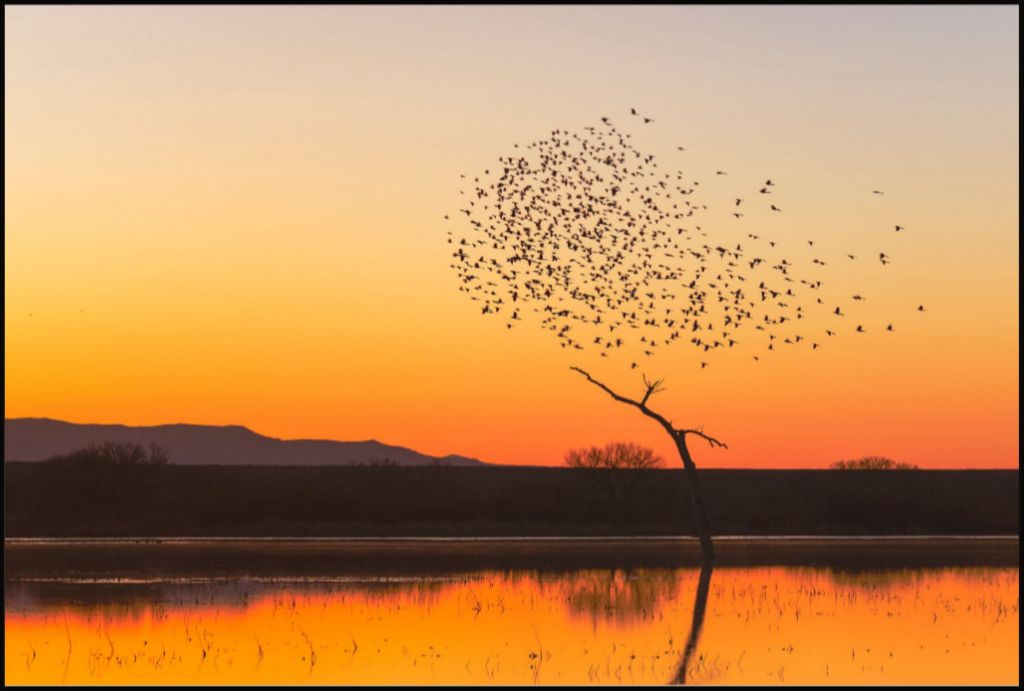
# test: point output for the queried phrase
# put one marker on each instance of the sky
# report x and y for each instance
(235, 215)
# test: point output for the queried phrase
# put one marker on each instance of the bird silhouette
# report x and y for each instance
(608, 249)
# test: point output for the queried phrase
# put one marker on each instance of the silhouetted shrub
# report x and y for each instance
(616, 456)
(115, 453)
(872, 463)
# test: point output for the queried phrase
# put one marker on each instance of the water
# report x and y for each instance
(378, 623)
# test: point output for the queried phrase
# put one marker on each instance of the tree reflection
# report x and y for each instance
(699, 606)
(622, 596)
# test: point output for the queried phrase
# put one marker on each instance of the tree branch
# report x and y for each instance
(710, 440)
(652, 388)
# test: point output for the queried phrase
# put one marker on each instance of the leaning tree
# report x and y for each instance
(588, 236)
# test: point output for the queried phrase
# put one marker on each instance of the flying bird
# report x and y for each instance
(614, 252)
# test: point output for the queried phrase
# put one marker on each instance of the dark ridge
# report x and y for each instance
(36, 439)
(61, 500)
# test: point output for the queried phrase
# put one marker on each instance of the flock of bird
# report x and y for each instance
(614, 253)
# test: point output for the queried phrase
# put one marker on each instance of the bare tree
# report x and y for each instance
(616, 467)
(872, 463)
(679, 438)
(114, 473)
(614, 456)
(616, 254)
(115, 453)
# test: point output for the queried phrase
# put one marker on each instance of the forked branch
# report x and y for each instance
(651, 388)
(710, 440)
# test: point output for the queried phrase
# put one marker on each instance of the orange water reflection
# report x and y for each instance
(762, 626)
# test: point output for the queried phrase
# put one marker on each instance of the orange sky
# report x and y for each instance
(234, 215)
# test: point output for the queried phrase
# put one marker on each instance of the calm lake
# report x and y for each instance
(560, 612)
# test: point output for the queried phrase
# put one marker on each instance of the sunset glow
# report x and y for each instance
(244, 224)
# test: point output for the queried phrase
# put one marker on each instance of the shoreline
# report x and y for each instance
(200, 539)
(101, 558)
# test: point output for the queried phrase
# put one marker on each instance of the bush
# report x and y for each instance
(872, 463)
(115, 453)
(617, 455)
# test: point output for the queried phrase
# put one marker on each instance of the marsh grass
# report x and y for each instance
(768, 625)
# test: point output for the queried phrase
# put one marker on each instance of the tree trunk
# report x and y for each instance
(679, 437)
(699, 514)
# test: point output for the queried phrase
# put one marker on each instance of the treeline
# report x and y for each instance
(152, 499)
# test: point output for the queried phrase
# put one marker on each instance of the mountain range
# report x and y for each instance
(36, 439)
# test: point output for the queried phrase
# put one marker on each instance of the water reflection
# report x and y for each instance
(700, 605)
(642, 626)
(623, 596)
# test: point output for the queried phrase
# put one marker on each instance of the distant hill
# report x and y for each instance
(36, 439)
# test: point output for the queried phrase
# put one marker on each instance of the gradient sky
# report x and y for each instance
(234, 215)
